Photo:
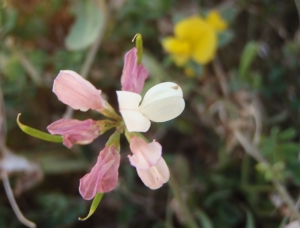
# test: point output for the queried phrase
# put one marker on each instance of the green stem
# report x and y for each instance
(114, 139)
(29, 68)
(110, 112)
(128, 135)
(287, 199)
(253, 152)
(189, 220)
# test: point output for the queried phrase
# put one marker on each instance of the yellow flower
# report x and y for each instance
(216, 21)
(194, 38)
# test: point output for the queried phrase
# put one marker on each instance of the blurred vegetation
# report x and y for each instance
(250, 91)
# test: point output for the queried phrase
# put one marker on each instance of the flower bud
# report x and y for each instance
(78, 93)
(75, 131)
(103, 176)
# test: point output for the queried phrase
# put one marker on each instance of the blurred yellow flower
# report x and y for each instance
(194, 38)
(216, 21)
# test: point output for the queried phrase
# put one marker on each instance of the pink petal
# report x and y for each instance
(133, 75)
(75, 131)
(75, 91)
(103, 176)
(144, 155)
(156, 176)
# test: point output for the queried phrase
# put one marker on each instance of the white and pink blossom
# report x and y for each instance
(149, 164)
(161, 103)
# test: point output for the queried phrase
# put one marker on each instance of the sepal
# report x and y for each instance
(139, 46)
(93, 207)
(39, 134)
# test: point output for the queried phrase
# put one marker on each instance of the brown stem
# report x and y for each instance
(221, 77)
(13, 202)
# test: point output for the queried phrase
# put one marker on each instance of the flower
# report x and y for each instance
(133, 75)
(75, 131)
(103, 176)
(194, 38)
(161, 103)
(216, 21)
(78, 93)
(150, 166)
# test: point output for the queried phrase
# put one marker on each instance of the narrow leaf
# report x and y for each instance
(204, 219)
(250, 221)
(94, 206)
(39, 134)
(249, 54)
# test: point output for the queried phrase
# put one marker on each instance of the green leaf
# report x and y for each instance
(8, 19)
(287, 134)
(94, 206)
(289, 148)
(204, 219)
(39, 134)
(248, 55)
(250, 220)
(283, 222)
(89, 21)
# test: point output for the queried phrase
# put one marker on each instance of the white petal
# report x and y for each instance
(163, 102)
(128, 105)
(128, 100)
(161, 91)
(164, 110)
(135, 121)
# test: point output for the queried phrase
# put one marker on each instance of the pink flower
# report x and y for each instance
(133, 75)
(103, 176)
(150, 166)
(78, 93)
(75, 131)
